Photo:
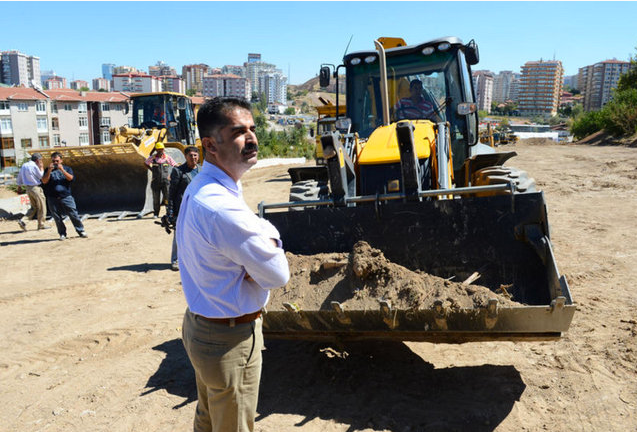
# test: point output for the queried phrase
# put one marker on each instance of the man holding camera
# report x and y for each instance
(57, 180)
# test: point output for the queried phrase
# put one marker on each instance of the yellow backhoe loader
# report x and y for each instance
(411, 179)
(111, 179)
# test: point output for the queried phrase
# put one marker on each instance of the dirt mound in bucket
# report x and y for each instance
(360, 279)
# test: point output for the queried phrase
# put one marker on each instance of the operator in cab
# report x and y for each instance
(416, 106)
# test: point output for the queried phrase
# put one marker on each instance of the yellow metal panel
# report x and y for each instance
(382, 145)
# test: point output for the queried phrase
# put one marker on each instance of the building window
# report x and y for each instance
(83, 122)
(43, 141)
(22, 106)
(54, 107)
(42, 124)
(55, 123)
(119, 107)
(26, 143)
(4, 107)
(106, 137)
(7, 143)
(5, 125)
(105, 121)
(7, 161)
(56, 140)
(68, 107)
(83, 139)
(106, 106)
(81, 107)
(40, 107)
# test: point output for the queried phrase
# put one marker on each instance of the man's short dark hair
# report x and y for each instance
(56, 154)
(213, 114)
(36, 157)
(414, 83)
(191, 149)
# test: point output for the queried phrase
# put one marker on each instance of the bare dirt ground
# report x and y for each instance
(91, 331)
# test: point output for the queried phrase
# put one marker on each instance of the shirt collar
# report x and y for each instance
(223, 178)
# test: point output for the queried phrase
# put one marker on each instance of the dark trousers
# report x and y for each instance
(160, 196)
(61, 207)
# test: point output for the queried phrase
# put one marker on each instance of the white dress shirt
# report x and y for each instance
(30, 174)
(219, 240)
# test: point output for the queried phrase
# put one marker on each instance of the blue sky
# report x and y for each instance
(75, 38)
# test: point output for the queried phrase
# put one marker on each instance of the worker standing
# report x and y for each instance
(180, 178)
(160, 164)
(229, 260)
(30, 176)
(57, 180)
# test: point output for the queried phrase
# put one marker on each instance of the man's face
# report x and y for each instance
(57, 161)
(234, 147)
(416, 89)
(159, 152)
(192, 158)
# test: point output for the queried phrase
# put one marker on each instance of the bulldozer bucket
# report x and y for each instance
(109, 177)
(504, 237)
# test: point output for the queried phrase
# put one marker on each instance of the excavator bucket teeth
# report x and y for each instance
(505, 237)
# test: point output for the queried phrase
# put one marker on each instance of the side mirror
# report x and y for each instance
(466, 108)
(471, 53)
(172, 124)
(324, 76)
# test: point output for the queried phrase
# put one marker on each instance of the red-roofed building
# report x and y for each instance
(78, 84)
(24, 124)
(54, 83)
(32, 119)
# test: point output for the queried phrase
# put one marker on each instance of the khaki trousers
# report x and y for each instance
(38, 205)
(227, 363)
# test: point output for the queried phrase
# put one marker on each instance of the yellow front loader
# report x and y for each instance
(112, 178)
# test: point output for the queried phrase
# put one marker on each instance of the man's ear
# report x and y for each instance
(209, 144)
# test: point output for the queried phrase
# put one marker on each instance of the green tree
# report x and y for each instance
(588, 123)
(629, 79)
(289, 111)
(191, 92)
(621, 113)
(84, 89)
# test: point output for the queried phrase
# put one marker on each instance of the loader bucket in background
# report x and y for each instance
(505, 238)
(110, 177)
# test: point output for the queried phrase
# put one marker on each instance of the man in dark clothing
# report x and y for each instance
(179, 180)
(160, 164)
(57, 180)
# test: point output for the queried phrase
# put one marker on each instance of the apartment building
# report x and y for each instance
(78, 84)
(502, 84)
(55, 83)
(193, 76)
(597, 81)
(483, 86)
(226, 85)
(136, 83)
(173, 83)
(101, 84)
(24, 124)
(19, 69)
(161, 69)
(274, 85)
(540, 88)
(32, 119)
(84, 118)
(234, 70)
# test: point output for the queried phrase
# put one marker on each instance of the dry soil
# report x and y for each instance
(91, 331)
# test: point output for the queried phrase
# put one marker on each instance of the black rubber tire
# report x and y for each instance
(308, 190)
(504, 174)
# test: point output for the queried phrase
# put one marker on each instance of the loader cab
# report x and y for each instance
(172, 111)
(442, 68)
